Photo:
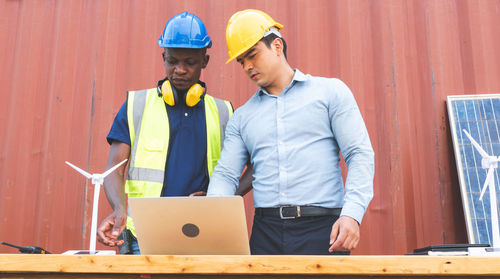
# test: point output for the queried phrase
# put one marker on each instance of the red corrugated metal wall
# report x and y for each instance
(65, 67)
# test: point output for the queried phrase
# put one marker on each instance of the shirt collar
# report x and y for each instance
(298, 76)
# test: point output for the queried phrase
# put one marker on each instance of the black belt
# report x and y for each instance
(293, 212)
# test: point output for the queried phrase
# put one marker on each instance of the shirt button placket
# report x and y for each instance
(281, 149)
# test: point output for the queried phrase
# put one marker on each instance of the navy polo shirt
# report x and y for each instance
(186, 168)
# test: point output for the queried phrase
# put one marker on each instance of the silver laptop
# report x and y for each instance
(190, 225)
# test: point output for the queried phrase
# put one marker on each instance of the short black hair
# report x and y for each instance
(270, 38)
(203, 51)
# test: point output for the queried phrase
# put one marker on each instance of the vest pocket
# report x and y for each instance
(154, 145)
(152, 154)
(135, 188)
(138, 189)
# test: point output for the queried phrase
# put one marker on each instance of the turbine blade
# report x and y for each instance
(113, 168)
(476, 145)
(489, 177)
(86, 174)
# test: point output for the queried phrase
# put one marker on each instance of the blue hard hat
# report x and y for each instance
(185, 30)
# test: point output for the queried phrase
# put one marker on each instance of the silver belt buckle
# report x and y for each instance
(289, 217)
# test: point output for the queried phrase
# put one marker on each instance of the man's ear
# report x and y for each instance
(206, 58)
(278, 46)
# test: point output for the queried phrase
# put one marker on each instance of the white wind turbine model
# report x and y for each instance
(97, 180)
(490, 163)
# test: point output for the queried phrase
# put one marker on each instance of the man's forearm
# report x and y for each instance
(245, 183)
(114, 186)
(114, 183)
(359, 183)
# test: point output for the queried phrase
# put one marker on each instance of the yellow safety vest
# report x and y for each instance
(149, 144)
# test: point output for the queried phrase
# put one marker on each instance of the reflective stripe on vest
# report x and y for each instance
(215, 122)
(149, 144)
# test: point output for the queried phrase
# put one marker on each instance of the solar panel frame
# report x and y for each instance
(478, 115)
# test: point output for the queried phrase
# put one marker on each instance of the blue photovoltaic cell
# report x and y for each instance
(480, 116)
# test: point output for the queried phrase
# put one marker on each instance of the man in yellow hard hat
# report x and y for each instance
(293, 130)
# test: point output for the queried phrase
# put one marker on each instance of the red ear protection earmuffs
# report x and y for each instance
(192, 97)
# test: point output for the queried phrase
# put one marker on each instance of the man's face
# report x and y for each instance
(183, 66)
(260, 64)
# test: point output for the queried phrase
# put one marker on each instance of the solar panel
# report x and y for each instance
(480, 116)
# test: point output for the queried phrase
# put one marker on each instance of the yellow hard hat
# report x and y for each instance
(245, 28)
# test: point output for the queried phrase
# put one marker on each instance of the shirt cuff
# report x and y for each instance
(217, 191)
(354, 211)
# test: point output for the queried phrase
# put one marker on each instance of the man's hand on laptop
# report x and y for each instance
(199, 193)
(111, 227)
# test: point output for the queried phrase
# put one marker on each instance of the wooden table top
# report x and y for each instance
(272, 265)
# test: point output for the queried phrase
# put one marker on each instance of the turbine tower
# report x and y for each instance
(97, 180)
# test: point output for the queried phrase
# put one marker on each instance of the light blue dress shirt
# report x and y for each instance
(293, 142)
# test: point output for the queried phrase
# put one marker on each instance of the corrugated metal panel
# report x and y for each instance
(66, 65)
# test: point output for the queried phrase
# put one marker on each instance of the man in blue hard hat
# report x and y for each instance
(172, 134)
